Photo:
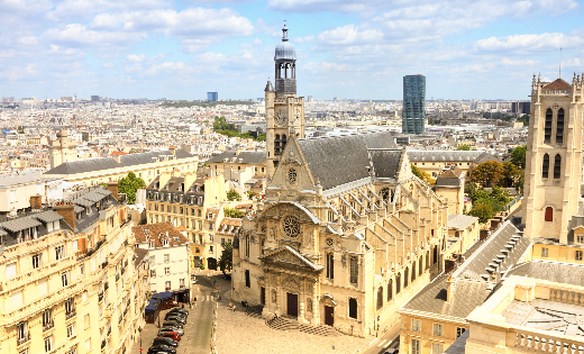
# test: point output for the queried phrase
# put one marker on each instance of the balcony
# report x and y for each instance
(105, 286)
(100, 297)
(23, 339)
(70, 314)
(117, 277)
(182, 286)
(102, 344)
(104, 264)
(48, 326)
(167, 288)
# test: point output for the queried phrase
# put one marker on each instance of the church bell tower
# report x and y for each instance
(284, 111)
(553, 170)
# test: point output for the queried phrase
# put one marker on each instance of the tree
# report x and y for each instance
(226, 260)
(483, 211)
(463, 147)
(233, 195)
(233, 213)
(423, 175)
(518, 156)
(129, 185)
(511, 175)
(487, 173)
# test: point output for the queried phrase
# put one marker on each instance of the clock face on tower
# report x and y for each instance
(281, 117)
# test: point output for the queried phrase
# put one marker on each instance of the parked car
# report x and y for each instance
(172, 324)
(176, 318)
(172, 335)
(179, 310)
(165, 341)
(156, 348)
(179, 331)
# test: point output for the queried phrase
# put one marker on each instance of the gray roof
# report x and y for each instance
(20, 224)
(459, 345)
(566, 273)
(48, 216)
(386, 162)
(460, 222)
(336, 160)
(491, 249)
(449, 156)
(20, 178)
(380, 140)
(247, 157)
(467, 295)
(107, 163)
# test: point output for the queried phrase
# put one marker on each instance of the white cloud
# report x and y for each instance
(350, 35)
(109, 65)
(325, 67)
(529, 43)
(134, 58)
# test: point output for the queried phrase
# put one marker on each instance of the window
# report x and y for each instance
(546, 166)
(420, 269)
(65, 278)
(88, 344)
(22, 329)
(354, 272)
(415, 346)
(557, 166)
(59, 252)
(437, 348)
(37, 261)
(416, 325)
(330, 266)
(10, 270)
(166, 256)
(247, 279)
(353, 308)
(70, 306)
(247, 247)
(86, 321)
(580, 238)
(544, 251)
(181, 282)
(397, 283)
(210, 249)
(578, 255)
(48, 344)
(390, 290)
(167, 285)
(549, 214)
(165, 242)
(406, 275)
(437, 329)
(560, 127)
(48, 319)
(460, 331)
(167, 270)
(380, 297)
(548, 126)
(82, 269)
(71, 330)
(413, 271)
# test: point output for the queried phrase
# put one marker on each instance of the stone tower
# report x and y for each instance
(553, 170)
(62, 149)
(284, 111)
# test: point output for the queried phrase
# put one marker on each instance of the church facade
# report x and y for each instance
(346, 233)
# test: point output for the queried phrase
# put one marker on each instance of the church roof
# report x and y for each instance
(107, 163)
(558, 84)
(285, 50)
(244, 157)
(386, 162)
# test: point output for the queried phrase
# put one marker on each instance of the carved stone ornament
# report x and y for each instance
(292, 175)
(291, 226)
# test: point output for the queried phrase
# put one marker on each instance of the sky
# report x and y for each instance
(346, 49)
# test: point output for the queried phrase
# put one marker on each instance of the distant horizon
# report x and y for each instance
(182, 49)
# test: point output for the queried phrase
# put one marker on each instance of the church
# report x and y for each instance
(346, 234)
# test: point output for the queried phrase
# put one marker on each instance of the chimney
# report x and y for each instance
(172, 149)
(67, 211)
(450, 286)
(113, 187)
(164, 178)
(36, 201)
(117, 158)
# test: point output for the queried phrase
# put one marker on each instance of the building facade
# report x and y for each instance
(284, 111)
(68, 278)
(414, 104)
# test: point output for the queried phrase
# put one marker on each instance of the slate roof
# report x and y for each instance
(336, 160)
(48, 216)
(459, 345)
(448, 179)
(449, 156)
(157, 232)
(139, 255)
(380, 140)
(247, 157)
(460, 222)
(21, 178)
(467, 295)
(385, 162)
(558, 84)
(566, 273)
(107, 163)
(20, 224)
(494, 246)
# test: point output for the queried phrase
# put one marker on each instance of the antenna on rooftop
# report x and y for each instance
(560, 62)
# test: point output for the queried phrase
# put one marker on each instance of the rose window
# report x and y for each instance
(291, 226)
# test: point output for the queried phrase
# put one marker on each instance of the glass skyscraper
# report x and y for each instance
(414, 104)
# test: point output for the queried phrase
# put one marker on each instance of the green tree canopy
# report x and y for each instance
(511, 175)
(423, 175)
(129, 185)
(226, 258)
(487, 173)
(233, 195)
(518, 156)
(233, 213)
(463, 147)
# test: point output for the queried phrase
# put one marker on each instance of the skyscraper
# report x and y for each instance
(212, 96)
(414, 104)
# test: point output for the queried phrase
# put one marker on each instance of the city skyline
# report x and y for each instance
(182, 50)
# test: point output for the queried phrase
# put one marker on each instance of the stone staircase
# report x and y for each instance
(286, 324)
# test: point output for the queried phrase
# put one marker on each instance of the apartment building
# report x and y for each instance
(67, 278)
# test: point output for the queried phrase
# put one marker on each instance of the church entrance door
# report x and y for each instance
(292, 305)
(329, 315)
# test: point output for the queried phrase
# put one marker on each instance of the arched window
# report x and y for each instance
(420, 269)
(283, 142)
(390, 290)
(549, 214)
(557, 166)
(397, 283)
(414, 271)
(548, 126)
(406, 277)
(546, 166)
(247, 279)
(560, 127)
(380, 297)
(353, 308)
(277, 149)
(330, 266)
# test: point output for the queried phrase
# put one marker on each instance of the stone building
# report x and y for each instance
(68, 278)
